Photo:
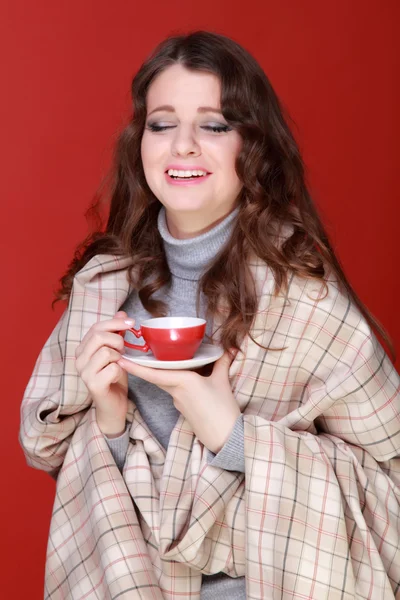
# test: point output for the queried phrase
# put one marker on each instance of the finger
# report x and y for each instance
(107, 376)
(115, 324)
(110, 325)
(162, 377)
(98, 361)
(103, 338)
(221, 366)
(93, 345)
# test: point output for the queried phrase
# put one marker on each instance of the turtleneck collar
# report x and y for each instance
(189, 258)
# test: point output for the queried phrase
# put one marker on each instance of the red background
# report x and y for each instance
(65, 93)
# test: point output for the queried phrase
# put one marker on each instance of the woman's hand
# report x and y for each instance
(96, 362)
(206, 402)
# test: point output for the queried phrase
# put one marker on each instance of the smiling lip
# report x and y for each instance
(186, 168)
(194, 181)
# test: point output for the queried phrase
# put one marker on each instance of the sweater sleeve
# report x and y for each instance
(231, 455)
(119, 446)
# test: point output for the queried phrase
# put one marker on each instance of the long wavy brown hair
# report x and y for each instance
(274, 194)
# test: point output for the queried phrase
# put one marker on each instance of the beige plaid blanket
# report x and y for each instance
(316, 514)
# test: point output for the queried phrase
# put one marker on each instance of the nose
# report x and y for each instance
(184, 142)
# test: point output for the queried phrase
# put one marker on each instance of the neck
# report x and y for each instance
(188, 258)
(186, 226)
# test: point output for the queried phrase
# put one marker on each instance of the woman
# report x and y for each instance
(275, 476)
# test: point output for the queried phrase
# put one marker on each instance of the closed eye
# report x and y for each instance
(217, 128)
(214, 128)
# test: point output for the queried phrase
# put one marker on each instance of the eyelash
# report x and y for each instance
(217, 129)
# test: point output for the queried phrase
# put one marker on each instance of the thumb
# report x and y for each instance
(221, 366)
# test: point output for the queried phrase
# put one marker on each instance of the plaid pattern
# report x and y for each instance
(316, 514)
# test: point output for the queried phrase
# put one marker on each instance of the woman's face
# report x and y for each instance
(185, 131)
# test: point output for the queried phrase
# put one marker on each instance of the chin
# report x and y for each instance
(186, 206)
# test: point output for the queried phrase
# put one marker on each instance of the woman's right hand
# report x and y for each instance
(96, 362)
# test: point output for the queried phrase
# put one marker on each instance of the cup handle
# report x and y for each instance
(137, 333)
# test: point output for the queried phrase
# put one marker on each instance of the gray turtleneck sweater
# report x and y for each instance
(187, 261)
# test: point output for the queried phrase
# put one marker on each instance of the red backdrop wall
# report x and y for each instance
(68, 68)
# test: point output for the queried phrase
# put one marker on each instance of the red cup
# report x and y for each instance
(170, 338)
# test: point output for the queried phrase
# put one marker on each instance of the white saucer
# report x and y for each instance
(207, 353)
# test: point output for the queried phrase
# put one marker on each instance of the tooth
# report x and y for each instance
(186, 173)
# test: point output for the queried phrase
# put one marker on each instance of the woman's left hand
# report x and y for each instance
(206, 402)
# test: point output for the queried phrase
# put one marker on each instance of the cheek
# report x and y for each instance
(151, 150)
(229, 156)
(146, 151)
(228, 149)
(149, 162)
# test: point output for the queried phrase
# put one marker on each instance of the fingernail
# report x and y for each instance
(129, 322)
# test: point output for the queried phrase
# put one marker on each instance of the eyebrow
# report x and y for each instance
(201, 109)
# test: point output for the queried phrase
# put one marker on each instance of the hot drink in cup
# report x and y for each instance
(170, 338)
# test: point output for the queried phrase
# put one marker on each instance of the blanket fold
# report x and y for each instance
(316, 515)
